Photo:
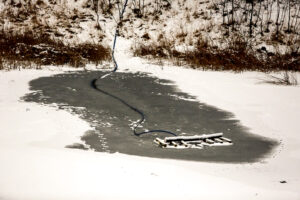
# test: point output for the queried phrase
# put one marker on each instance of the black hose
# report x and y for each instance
(142, 115)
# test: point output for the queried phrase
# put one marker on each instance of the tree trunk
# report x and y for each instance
(258, 14)
(269, 13)
(251, 17)
(224, 5)
(232, 19)
(289, 17)
(277, 18)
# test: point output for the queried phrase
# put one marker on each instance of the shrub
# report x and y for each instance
(285, 78)
(30, 49)
(237, 56)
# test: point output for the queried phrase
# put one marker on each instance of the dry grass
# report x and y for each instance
(237, 56)
(284, 78)
(30, 50)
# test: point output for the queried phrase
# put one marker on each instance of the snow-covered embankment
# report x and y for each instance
(35, 164)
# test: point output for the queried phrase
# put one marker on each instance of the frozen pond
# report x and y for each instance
(164, 106)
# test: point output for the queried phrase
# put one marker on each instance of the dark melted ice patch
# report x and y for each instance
(164, 106)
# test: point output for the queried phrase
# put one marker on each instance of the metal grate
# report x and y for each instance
(196, 141)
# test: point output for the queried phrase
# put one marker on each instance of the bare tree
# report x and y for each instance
(232, 14)
(277, 18)
(289, 16)
(261, 24)
(223, 10)
(258, 13)
(269, 9)
(283, 15)
(251, 16)
(138, 7)
(96, 6)
(296, 17)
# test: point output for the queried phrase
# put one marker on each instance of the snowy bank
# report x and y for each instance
(35, 164)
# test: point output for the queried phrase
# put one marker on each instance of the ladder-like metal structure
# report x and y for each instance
(196, 141)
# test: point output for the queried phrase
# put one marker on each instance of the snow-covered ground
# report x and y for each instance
(35, 165)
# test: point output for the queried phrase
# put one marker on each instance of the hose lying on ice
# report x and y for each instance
(142, 115)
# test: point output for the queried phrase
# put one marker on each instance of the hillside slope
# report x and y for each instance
(265, 30)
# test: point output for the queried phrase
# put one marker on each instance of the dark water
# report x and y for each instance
(158, 99)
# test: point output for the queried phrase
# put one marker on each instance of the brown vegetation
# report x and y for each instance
(237, 56)
(28, 50)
